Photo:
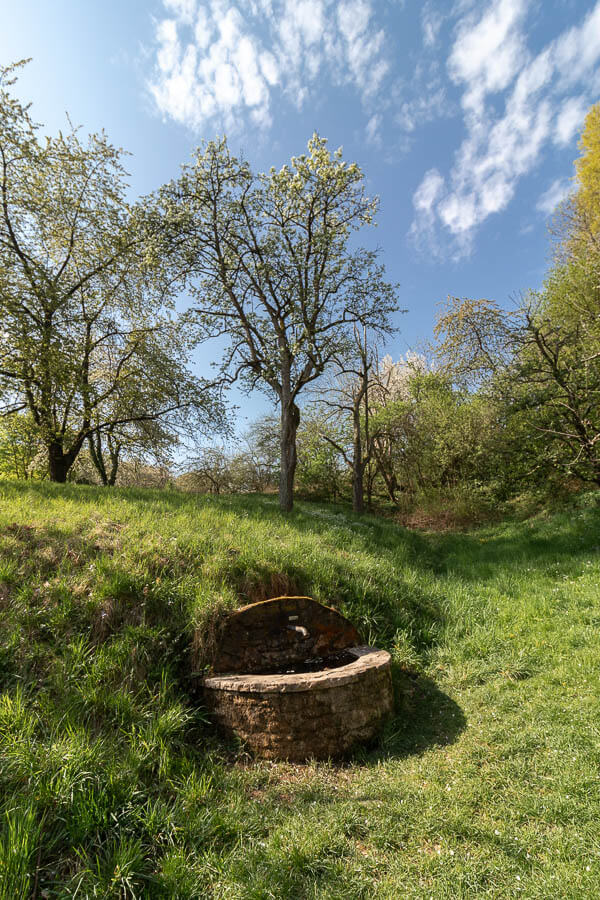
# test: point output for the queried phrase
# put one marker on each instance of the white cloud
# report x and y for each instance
(489, 56)
(431, 23)
(169, 52)
(373, 129)
(556, 193)
(184, 10)
(224, 64)
(431, 189)
(578, 50)
(488, 52)
(363, 45)
(223, 59)
(569, 120)
(428, 191)
(423, 108)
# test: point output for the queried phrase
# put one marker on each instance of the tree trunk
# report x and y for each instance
(358, 503)
(389, 478)
(114, 450)
(59, 462)
(370, 477)
(358, 466)
(290, 419)
(95, 445)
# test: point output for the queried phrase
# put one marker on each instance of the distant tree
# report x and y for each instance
(269, 261)
(149, 441)
(258, 455)
(20, 446)
(476, 339)
(151, 409)
(84, 317)
(543, 363)
(391, 415)
(346, 395)
(137, 472)
(322, 466)
(209, 471)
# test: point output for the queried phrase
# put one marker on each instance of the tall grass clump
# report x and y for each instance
(19, 844)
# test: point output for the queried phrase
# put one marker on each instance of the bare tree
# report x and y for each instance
(347, 393)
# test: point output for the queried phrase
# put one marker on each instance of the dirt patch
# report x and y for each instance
(112, 614)
(274, 585)
(20, 531)
(5, 594)
(104, 537)
(439, 520)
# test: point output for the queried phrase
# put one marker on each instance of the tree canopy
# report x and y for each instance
(587, 168)
(88, 340)
(269, 263)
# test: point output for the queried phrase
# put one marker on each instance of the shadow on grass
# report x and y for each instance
(538, 544)
(424, 717)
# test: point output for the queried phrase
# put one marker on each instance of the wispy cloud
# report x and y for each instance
(431, 22)
(570, 119)
(544, 99)
(228, 64)
(425, 199)
(223, 61)
(373, 129)
(556, 193)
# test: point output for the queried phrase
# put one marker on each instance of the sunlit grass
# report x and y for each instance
(113, 783)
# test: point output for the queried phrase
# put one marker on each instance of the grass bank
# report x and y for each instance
(113, 784)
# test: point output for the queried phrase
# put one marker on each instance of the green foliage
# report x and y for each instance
(88, 342)
(20, 447)
(585, 223)
(434, 439)
(538, 369)
(321, 472)
(556, 373)
(538, 365)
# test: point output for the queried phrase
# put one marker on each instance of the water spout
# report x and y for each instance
(299, 629)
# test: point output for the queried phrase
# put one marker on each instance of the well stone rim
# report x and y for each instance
(367, 659)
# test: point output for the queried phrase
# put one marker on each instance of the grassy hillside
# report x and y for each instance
(113, 784)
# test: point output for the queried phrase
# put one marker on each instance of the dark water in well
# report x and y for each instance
(316, 664)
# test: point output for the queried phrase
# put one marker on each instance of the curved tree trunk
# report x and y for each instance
(114, 450)
(95, 445)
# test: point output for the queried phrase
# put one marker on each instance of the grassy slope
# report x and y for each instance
(112, 783)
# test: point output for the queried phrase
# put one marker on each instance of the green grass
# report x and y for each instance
(113, 783)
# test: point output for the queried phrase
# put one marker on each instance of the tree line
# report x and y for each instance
(503, 399)
(91, 349)
(95, 361)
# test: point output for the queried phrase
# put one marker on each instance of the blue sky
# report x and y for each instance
(464, 115)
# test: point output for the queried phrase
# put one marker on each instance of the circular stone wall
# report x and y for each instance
(299, 716)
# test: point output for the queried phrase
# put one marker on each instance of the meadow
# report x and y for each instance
(113, 782)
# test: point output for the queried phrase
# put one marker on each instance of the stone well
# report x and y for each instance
(294, 681)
